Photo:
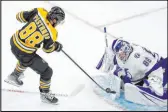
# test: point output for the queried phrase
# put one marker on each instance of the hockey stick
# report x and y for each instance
(108, 90)
(105, 32)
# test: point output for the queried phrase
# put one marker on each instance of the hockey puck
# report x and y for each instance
(108, 90)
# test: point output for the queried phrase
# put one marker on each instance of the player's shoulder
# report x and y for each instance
(42, 12)
(33, 10)
(42, 9)
(137, 52)
(137, 48)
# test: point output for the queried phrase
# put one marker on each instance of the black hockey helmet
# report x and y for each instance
(56, 13)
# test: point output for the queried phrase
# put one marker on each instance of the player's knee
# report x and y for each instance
(47, 74)
(26, 64)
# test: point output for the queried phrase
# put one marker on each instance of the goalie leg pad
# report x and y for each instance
(115, 84)
(144, 96)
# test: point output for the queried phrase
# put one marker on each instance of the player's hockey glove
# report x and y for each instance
(58, 46)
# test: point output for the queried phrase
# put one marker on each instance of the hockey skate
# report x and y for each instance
(48, 97)
(15, 79)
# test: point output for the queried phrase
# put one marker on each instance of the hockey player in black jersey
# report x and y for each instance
(39, 29)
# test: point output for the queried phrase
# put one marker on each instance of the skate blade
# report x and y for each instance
(11, 82)
(50, 103)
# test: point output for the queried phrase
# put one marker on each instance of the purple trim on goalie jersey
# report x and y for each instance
(146, 82)
(118, 69)
(115, 60)
(100, 63)
(126, 79)
(114, 42)
(148, 90)
(162, 63)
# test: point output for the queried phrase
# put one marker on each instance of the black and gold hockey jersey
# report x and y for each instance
(36, 31)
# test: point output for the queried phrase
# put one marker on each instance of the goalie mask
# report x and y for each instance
(122, 49)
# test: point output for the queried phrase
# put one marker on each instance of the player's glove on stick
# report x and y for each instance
(58, 46)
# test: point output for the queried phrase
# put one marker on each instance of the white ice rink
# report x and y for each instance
(84, 42)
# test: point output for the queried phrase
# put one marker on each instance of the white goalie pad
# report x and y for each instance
(115, 84)
(107, 64)
(136, 95)
(108, 81)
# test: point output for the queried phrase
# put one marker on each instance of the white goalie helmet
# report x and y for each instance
(122, 49)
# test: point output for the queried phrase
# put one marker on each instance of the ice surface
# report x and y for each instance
(84, 44)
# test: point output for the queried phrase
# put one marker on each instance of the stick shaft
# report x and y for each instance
(82, 70)
(105, 32)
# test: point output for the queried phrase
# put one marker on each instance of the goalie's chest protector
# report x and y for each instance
(137, 63)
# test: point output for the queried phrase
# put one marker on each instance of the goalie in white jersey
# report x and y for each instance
(143, 72)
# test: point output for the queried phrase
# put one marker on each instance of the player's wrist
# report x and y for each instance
(58, 46)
